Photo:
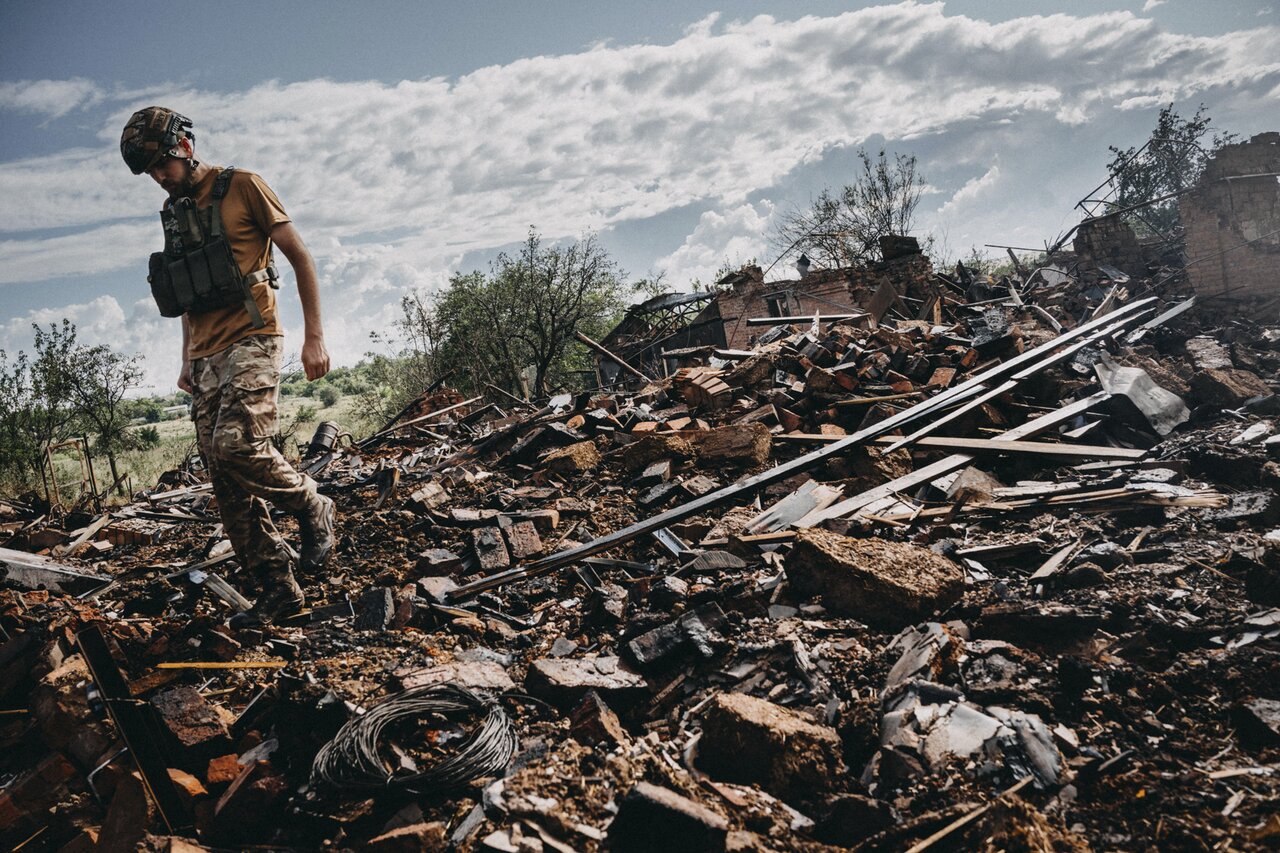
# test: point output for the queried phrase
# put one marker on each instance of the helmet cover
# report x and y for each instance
(152, 134)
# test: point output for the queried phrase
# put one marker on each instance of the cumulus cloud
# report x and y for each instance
(974, 190)
(49, 98)
(1151, 4)
(735, 237)
(615, 134)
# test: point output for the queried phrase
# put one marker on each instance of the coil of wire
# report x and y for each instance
(351, 759)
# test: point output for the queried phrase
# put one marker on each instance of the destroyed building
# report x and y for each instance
(1232, 221)
(976, 564)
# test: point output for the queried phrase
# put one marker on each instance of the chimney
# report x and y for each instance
(802, 265)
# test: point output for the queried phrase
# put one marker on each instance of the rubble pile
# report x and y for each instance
(1005, 576)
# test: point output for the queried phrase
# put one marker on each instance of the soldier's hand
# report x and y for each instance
(315, 358)
(184, 378)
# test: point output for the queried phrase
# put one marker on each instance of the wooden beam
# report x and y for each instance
(604, 352)
(994, 445)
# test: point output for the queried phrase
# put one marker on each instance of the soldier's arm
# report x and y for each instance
(315, 358)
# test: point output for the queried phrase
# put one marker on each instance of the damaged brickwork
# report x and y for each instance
(1232, 221)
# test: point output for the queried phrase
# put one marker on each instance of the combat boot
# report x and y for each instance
(316, 525)
(281, 597)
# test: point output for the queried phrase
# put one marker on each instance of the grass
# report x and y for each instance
(178, 439)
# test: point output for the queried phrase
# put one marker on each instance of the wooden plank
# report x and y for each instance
(955, 462)
(1055, 562)
(993, 445)
(958, 412)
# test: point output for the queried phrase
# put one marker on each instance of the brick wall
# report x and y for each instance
(1232, 222)
(1108, 240)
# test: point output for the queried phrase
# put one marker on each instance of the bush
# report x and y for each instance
(329, 395)
(305, 414)
(148, 437)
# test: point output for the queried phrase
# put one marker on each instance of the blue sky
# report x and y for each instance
(411, 140)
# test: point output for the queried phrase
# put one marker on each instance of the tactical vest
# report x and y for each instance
(197, 271)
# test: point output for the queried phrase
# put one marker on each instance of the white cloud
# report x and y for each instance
(974, 190)
(735, 236)
(1151, 4)
(618, 133)
(50, 98)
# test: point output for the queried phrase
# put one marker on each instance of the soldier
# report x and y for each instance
(216, 273)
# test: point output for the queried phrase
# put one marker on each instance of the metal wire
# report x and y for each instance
(351, 759)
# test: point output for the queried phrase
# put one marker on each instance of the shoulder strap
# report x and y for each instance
(222, 183)
(220, 186)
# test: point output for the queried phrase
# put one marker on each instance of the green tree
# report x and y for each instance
(329, 395)
(1170, 161)
(844, 228)
(98, 378)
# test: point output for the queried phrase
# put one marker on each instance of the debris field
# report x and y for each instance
(981, 565)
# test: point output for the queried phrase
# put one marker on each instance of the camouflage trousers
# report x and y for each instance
(234, 409)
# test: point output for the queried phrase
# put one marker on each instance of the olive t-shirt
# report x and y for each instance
(249, 211)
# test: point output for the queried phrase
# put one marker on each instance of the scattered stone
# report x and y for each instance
(1259, 722)
(667, 592)
(430, 496)
(658, 820)
(565, 681)
(880, 582)
(128, 817)
(523, 538)
(61, 709)
(196, 726)
(490, 549)
(417, 838)
(852, 818)
(594, 722)
(1227, 387)
(476, 675)
(750, 740)
(375, 609)
(222, 770)
(437, 561)
(654, 447)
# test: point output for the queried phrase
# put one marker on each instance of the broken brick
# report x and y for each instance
(750, 740)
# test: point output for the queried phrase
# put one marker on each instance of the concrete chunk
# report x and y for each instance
(1227, 387)
(882, 583)
(651, 818)
(735, 444)
(573, 460)
(750, 740)
(491, 551)
(565, 681)
(193, 722)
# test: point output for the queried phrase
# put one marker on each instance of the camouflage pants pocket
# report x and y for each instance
(254, 380)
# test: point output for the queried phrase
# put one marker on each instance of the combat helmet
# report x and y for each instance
(150, 135)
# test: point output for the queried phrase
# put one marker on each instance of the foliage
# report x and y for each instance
(844, 228)
(148, 437)
(62, 389)
(329, 394)
(1170, 161)
(98, 378)
(512, 327)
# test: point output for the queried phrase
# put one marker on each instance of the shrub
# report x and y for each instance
(329, 395)
(148, 437)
